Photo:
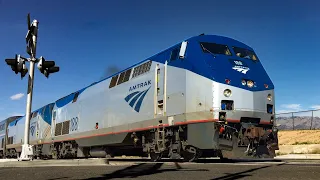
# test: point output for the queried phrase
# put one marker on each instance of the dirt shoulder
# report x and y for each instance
(299, 137)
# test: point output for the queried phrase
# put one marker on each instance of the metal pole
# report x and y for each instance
(156, 91)
(165, 89)
(311, 119)
(29, 104)
(27, 150)
(292, 121)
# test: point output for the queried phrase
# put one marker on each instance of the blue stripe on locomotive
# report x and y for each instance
(46, 115)
(45, 112)
(13, 123)
(199, 62)
(217, 69)
(67, 99)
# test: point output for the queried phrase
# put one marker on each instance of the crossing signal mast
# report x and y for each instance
(18, 66)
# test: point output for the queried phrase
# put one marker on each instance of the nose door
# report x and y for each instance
(38, 128)
(160, 85)
(53, 124)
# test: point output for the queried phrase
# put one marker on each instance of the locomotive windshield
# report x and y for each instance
(245, 53)
(214, 48)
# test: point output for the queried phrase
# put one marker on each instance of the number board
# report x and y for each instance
(238, 63)
(74, 124)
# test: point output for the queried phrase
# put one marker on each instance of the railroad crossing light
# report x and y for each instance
(47, 67)
(18, 65)
(13, 63)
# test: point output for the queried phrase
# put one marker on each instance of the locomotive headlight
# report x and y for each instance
(275, 130)
(269, 97)
(227, 92)
(243, 82)
(250, 84)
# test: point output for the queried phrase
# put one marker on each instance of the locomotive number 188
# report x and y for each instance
(74, 124)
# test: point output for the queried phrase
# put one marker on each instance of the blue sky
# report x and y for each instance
(86, 37)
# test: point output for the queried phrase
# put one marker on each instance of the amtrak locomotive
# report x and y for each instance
(206, 96)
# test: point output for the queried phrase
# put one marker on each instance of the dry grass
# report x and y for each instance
(280, 153)
(298, 137)
(315, 151)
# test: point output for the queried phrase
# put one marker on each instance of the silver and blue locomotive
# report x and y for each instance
(207, 96)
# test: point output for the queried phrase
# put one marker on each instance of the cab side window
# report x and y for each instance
(174, 54)
(54, 115)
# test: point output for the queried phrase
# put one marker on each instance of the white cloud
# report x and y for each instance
(296, 109)
(16, 114)
(286, 108)
(292, 106)
(3, 117)
(17, 96)
(315, 107)
(283, 111)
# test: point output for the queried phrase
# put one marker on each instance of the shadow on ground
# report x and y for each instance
(242, 174)
(239, 175)
(142, 169)
(218, 160)
(60, 178)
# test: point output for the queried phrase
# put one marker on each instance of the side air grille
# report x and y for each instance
(65, 127)
(10, 140)
(58, 129)
(62, 128)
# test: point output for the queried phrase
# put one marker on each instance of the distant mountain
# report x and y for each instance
(299, 122)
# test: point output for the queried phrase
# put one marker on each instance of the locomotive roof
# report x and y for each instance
(201, 37)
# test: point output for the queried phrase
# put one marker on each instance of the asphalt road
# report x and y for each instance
(161, 171)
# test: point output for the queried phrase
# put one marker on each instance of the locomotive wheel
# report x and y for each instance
(155, 156)
(191, 154)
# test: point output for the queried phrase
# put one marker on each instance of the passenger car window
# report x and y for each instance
(54, 115)
(174, 54)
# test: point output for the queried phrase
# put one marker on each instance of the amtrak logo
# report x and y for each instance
(140, 85)
(241, 69)
(136, 99)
